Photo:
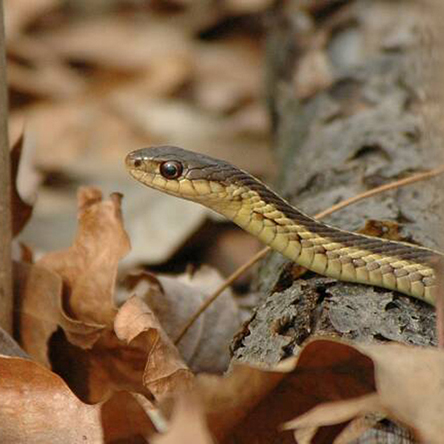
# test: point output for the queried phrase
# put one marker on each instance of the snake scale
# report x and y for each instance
(253, 206)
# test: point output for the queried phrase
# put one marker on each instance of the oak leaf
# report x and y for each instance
(164, 372)
(89, 267)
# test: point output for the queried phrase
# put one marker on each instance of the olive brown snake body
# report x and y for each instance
(249, 203)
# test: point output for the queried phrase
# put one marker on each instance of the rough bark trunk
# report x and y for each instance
(346, 94)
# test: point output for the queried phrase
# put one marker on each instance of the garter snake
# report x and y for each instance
(253, 206)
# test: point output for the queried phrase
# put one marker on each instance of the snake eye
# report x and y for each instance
(171, 169)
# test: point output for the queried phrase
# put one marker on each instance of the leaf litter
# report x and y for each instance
(104, 97)
(172, 87)
(247, 405)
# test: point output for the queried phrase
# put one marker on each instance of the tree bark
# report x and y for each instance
(5, 193)
(346, 94)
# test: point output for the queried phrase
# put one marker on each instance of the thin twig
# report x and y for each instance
(345, 203)
(389, 186)
(242, 269)
(5, 193)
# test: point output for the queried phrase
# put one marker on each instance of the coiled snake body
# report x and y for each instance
(249, 203)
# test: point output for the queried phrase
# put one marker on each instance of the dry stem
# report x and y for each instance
(5, 193)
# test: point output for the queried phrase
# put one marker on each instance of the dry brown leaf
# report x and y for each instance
(108, 365)
(126, 418)
(150, 358)
(174, 299)
(179, 122)
(91, 134)
(227, 75)
(408, 390)
(165, 372)
(247, 6)
(89, 148)
(89, 267)
(95, 374)
(36, 406)
(47, 80)
(21, 252)
(250, 404)
(104, 41)
(38, 295)
(332, 413)
(20, 13)
(409, 385)
(188, 424)
(229, 400)
(382, 228)
(21, 210)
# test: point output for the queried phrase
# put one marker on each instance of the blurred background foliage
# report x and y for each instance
(91, 80)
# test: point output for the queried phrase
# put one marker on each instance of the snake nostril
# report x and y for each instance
(133, 160)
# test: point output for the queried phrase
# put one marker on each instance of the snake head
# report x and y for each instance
(182, 173)
(200, 178)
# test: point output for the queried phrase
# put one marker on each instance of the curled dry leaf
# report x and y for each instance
(174, 299)
(164, 372)
(36, 406)
(150, 357)
(21, 210)
(108, 367)
(38, 296)
(408, 389)
(89, 267)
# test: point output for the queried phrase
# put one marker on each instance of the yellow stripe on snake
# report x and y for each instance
(249, 203)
